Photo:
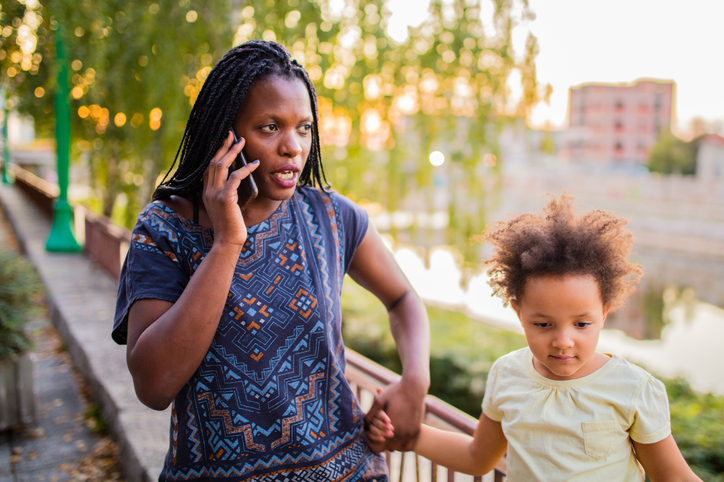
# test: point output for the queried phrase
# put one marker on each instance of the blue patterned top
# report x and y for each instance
(270, 401)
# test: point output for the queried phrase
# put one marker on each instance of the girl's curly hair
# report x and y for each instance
(559, 243)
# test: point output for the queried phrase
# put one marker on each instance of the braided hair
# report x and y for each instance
(217, 105)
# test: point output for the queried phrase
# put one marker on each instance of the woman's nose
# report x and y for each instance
(290, 145)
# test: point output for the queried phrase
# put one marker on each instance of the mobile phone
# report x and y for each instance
(247, 189)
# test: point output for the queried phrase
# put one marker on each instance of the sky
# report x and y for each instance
(619, 41)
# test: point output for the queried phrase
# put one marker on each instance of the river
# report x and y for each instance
(673, 324)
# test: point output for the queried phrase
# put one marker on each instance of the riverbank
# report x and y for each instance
(463, 349)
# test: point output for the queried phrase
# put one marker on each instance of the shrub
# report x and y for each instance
(19, 292)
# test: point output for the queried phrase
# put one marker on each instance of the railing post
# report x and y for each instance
(61, 237)
(6, 145)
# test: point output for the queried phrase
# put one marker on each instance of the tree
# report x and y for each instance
(135, 67)
(384, 105)
(671, 155)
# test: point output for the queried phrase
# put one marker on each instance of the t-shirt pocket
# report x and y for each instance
(599, 438)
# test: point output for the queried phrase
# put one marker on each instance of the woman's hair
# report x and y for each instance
(217, 105)
(559, 243)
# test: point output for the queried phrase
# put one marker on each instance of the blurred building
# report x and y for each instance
(710, 157)
(617, 123)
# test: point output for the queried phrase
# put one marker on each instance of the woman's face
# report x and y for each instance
(276, 122)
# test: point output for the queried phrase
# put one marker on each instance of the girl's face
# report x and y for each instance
(276, 122)
(562, 318)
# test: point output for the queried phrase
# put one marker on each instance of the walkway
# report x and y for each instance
(81, 300)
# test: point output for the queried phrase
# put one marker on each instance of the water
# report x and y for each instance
(672, 325)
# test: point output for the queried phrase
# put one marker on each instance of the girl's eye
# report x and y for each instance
(582, 324)
(542, 325)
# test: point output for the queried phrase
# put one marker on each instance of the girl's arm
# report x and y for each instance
(663, 461)
(167, 341)
(475, 455)
(375, 269)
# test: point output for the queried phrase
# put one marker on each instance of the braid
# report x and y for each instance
(215, 110)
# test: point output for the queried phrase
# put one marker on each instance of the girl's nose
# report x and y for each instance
(563, 340)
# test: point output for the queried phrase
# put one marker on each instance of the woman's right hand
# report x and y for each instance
(220, 195)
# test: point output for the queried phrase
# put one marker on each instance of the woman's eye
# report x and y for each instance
(542, 325)
(582, 324)
(270, 127)
(306, 127)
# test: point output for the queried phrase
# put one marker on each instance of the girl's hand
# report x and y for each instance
(379, 429)
(405, 405)
(220, 196)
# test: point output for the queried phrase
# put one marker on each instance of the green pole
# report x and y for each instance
(6, 146)
(61, 237)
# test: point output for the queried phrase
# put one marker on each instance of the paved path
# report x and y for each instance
(81, 300)
(63, 443)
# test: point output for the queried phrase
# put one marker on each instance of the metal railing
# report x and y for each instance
(366, 376)
(106, 244)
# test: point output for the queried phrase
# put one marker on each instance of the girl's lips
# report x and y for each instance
(562, 358)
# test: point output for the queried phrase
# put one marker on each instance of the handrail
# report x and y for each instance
(106, 243)
(367, 376)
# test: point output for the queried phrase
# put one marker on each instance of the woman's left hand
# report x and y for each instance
(404, 404)
(375, 269)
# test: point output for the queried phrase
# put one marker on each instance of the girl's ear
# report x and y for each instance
(605, 312)
(516, 307)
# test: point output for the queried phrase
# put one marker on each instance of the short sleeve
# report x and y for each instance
(354, 221)
(651, 422)
(490, 406)
(152, 267)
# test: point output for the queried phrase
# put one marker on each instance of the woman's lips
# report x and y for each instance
(286, 177)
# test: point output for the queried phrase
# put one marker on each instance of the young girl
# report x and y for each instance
(561, 409)
(230, 304)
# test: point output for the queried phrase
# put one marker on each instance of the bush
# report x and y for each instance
(697, 422)
(19, 291)
(463, 351)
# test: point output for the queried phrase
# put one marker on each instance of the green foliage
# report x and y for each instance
(95, 420)
(672, 155)
(697, 422)
(19, 292)
(462, 350)
(384, 105)
(135, 70)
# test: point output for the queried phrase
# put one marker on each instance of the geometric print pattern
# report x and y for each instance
(269, 402)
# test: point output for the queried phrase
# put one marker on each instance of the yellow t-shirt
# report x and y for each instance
(575, 430)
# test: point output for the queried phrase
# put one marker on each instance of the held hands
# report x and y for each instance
(403, 404)
(379, 429)
(220, 193)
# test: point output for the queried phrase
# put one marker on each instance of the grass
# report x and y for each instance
(462, 351)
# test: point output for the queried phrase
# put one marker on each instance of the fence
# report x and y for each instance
(106, 244)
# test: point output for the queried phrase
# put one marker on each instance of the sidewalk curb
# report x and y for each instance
(81, 297)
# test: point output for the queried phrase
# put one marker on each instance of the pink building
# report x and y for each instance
(617, 123)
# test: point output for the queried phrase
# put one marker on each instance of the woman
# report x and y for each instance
(234, 314)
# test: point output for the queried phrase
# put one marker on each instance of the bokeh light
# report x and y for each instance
(437, 158)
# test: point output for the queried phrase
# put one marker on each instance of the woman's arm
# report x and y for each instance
(375, 269)
(663, 461)
(475, 455)
(167, 341)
